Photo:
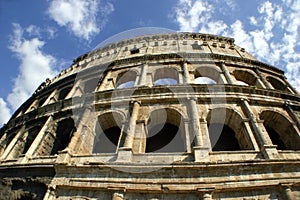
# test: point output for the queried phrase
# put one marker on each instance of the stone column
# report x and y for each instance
(37, 141)
(206, 193)
(205, 133)
(77, 90)
(250, 134)
(292, 114)
(262, 136)
(82, 140)
(262, 78)
(227, 74)
(290, 87)
(50, 194)
(117, 196)
(187, 138)
(207, 196)
(139, 143)
(9, 149)
(104, 82)
(143, 76)
(195, 125)
(223, 78)
(125, 152)
(132, 124)
(260, 83)
(200, 151)
(287, 191)
(186, 73)
(52, 97)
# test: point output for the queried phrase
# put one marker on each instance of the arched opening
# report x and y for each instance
(8, 137)
(227, 131)
(226, 141)
(28, 189)
(64, 133)
(64, 92)
(281, 131)
(165, 132)
(126, 79)
(108, 131)
(205, 81)
(245, 78)
(277, 84)
(42, 101)
(90, 85)
(166, 76)
(207, 75)
(31, 135)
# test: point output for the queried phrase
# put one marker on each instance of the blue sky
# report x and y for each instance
(41, 37)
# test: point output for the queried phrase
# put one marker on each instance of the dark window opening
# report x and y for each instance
(107, 142)
(168, 139)
(278, 85)
(134, 51)
(275, 138)
(8, 138)
(28, 190)
(196, 46)
(108, 132)
(63, 93)
(32, 133)
(281, 131)
(223, 138)
(42, 101)
(64, 132)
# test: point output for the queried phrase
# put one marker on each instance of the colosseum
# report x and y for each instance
(161, 117)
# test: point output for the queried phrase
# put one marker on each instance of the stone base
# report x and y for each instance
(124, 154)
(63, 156)
(201, 154)
(270, 151)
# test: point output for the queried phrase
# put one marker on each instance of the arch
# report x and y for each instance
(207, 75)
(64, 92)
(108, 132)
(245, 77)
(227, 131)
(281, 131)
(126, 79)
(28, 136)
(277, 84)
(165, 131)
(42, 100)
(64, 132)
(6, 139)
(166, 76)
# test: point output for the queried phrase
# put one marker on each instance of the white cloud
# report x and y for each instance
(33, 30)
(51, 31)
(80, 16)
(34, 68)
(4, 112)
(271, 35)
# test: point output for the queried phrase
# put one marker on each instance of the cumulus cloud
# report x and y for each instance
(80, 16)
(4, 112)
(271, 35)
(35, 66)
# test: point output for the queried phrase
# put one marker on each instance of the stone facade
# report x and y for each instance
(169, 116)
